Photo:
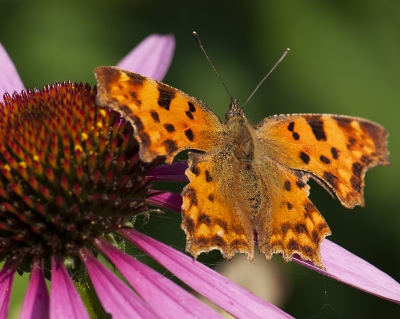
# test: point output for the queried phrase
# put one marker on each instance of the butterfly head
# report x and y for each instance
(234, 110)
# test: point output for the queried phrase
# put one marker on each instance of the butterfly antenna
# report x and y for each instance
(273, 68)
(196, 36)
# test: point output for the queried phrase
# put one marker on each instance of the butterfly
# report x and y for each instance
(248, 183)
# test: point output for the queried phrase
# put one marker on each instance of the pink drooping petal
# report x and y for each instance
(65, 301)
(151, 57)
(9, 78)
(6, 282)
(167, 200)
(340, 264)
(36, 302)
(174, 172)
(167, 298)
(343, 266)
(116, 297)
(229, 296)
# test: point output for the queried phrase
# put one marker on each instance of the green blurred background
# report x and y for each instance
(344, 59)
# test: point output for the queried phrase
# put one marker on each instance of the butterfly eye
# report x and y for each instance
(229, 114)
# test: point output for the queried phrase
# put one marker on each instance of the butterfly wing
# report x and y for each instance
(335, 150)
(291, 224)
(212, 217)
(166, 120)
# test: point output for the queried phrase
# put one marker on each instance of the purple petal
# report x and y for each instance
(354, 271)
(224, 293)
(151, 57)
(6, 282)
(167, 200)
(65, 301)
(115, 296)
(9, 78)
(340, 264)
(166, 297)
(174, 172)
(36, 302)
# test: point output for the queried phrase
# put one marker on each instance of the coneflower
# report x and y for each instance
(71, 185)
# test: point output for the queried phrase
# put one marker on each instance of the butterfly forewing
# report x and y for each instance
(166, 120)
(336, 150)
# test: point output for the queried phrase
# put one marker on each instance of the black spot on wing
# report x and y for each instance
(304, 157)
(366, 160)
(322, 226)
(324, 159)
(201, 241)
(352, 141)
(295, 135)
(335, 153)
(356, 184)
(357, 169)
(189, 115)
(191, 194)
(204, 219)
(301, 228)
(138, 124)
(342, 121)
(169, 127)
(195, 170)
(308, 209)
(189, 134)
(307, 250)
(377, 134)
(293, 245)
(317, 127)
(208, 177)
(192, 108)
(166, 95)
(170, 146)
(211, 197)
(287, 185)
(189, 224)
(155, 116)
(300, 184)
(135, 79)
(218, 241)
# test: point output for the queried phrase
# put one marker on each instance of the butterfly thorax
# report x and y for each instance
(240, 133)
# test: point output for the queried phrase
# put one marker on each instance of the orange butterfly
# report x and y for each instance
(248, 183)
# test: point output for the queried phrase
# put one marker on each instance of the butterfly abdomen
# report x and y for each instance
(246, 183)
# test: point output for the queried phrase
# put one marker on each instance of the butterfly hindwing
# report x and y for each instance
(212, 218)
(290, 224)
